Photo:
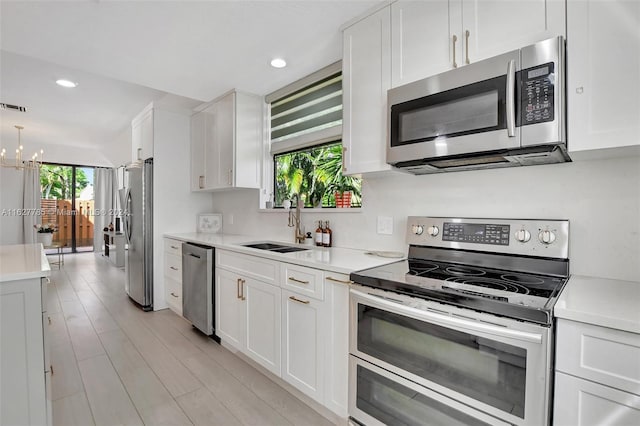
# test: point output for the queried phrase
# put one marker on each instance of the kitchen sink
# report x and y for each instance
(278, 248)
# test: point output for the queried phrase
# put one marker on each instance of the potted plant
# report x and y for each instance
(344, 188)
(45, 232)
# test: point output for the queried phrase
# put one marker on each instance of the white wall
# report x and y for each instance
(11, 190)
(600, 199)
(118, 152)
(175, 207)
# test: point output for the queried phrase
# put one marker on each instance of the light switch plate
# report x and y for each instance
(385, 225)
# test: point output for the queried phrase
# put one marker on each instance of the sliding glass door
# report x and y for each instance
(67, 203)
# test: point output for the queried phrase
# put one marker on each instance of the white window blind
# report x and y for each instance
(307, 112)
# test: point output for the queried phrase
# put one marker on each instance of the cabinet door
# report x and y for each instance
(602, 74)
(147, 135)
(581, 402)
(198, 140)
(498, 26)
(136, 141)
(262, 319)
(420, 42)
(229, 308)
(223, 140)
(302, 346)
(366, 77)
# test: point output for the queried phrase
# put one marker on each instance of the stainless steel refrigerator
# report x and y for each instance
(137, 201)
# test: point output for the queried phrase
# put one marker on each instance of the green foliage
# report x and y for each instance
(56, 181)
(315, 174)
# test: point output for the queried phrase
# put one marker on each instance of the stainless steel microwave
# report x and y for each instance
(505, 111)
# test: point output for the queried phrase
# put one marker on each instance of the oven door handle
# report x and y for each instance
(448, 321)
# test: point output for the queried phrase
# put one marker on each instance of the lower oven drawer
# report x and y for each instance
(378, 397)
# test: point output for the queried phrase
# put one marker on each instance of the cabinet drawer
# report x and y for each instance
(252, 266)
(173, 267)
(172, 246)
(603, 355)
(302, 280)
(173, 295)
(336, 278)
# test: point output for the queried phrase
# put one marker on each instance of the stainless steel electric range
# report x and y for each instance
(462, 331)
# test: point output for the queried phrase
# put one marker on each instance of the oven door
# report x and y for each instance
(463, 111)
(495, 365)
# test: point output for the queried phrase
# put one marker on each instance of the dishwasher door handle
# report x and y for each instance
(194, 255)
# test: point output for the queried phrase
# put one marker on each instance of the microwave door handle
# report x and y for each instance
(511, 101)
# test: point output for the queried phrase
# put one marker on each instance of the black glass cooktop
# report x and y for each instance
(521, 295)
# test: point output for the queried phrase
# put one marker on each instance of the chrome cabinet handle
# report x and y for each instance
(200, 182)
(344, 151)
(238, 288)
(295, 299)
(174, 295)
(173, 267)
(511, 103)
(466, 37)
(298, 281)
(454, 38)
(339, 281)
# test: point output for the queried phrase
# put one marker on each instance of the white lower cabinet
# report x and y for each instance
(291, 319)
(302, 343)
(597, 375)
(248, 314)
(25, 370)
(173, 274)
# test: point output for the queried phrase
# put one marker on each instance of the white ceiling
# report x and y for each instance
(125, 54)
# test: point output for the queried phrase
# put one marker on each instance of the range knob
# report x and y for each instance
(417, 229)
(522, 235)
(433, 230)
(546, 237)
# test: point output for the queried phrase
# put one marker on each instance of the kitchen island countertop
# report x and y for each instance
(601, 301)
(336, 259)
(23, 261)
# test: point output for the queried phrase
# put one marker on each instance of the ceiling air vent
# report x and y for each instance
(4, 106)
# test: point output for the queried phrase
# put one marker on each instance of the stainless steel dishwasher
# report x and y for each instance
(198, 295)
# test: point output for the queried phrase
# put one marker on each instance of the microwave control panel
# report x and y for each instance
(537, 94)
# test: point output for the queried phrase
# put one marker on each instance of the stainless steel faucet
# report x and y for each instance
(294, 220)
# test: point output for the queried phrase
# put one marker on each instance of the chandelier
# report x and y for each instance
(20, 163)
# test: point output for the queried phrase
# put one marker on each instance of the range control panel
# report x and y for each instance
(477, 233)
(547, 238)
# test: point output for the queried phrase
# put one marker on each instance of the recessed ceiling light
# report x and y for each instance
(66, 83)
(278, 63)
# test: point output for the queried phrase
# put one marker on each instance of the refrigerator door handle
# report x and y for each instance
(127, 216)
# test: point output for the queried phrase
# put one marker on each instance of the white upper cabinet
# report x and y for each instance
(498, 26)
(366, 77)
(142, 135)
(603, 78)
(419, 40)
(226, 143)
(429, 37)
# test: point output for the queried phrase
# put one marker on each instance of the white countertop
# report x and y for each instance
(336, 259)
(601, 301)
(23, 261)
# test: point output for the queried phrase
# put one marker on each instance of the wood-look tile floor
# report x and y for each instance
(114, 364)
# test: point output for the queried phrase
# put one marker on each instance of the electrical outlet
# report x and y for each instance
(385, 225)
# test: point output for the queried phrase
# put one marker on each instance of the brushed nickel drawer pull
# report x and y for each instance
(173, 267)
(238, 288)
(242, 282)
(339, 281)
(174, 247)
(454, 39)
(298, 281)
(306, 302)
(174, 295)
